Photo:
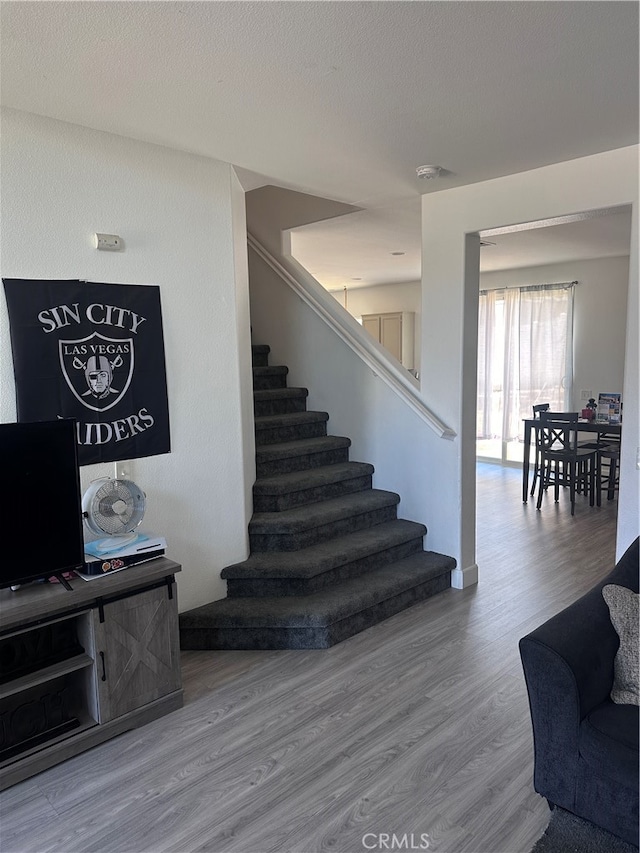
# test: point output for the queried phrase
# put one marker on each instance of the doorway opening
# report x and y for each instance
(552, 322)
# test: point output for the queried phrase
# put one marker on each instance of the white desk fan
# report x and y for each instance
(114, 509)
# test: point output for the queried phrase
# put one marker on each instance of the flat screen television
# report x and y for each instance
(41, 518)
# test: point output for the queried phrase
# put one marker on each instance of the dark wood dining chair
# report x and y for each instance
(607, 466)
(562, 462)
(539, 407)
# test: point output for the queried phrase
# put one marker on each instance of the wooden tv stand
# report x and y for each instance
(78, 668)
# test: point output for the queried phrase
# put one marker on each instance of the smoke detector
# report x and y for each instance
(428, 172)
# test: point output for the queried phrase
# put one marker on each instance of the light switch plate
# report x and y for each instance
(108, 242)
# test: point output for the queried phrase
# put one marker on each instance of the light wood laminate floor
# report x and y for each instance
(419, 725)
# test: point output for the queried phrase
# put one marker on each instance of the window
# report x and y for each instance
(524, 357)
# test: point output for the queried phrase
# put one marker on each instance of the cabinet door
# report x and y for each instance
(371, 324)
(136, 652)
(387, 330)
(391, 334)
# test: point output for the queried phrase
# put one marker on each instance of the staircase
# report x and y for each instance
(329, 556)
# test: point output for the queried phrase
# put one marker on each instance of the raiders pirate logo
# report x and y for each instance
(97, 369)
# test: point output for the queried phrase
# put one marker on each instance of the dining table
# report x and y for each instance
(599, 428)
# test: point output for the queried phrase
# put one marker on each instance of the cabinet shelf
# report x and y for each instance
(48, 673)
(84, 722)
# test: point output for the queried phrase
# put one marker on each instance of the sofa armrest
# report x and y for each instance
(568, 668)
(555, 715)
(582, 639)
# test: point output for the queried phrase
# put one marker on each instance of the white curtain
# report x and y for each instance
(525, 346)
(486, 363)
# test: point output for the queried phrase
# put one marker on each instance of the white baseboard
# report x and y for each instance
(462, 578)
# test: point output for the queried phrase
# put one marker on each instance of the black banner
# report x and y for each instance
(94, 352)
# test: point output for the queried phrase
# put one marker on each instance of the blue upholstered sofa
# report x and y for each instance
(586, 746)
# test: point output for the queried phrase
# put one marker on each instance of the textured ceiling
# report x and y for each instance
(357, 250)
(340, 99)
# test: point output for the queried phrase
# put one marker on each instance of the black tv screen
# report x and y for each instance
(41, 518)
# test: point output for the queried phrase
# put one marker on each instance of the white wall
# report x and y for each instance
(599, 317)
(182, 221)
(451, 221)
(387, 299)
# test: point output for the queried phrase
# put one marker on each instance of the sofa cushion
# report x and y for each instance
(608, 742)
(624, 613)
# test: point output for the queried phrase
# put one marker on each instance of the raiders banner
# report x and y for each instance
(94, 352)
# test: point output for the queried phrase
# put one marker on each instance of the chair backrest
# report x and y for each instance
(540, 407)
(557, 431)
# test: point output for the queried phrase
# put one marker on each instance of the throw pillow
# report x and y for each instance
(624, 613)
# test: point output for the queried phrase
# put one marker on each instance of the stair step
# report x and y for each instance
(276, 401)
(314, 568)
(301, 527)
(285, 491)
(269, 377)
(319, 620)
(301, 455)
(260, 355)
(275, 429)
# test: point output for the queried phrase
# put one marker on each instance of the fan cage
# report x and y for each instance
(115, 508)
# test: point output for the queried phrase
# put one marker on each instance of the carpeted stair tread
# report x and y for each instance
(324, 607)
(274, 401)
(320, 558)
(275, 370)
(270, 377)
(300, 454)
(290, 426)
(290, 419)
(280, 394)
(295, 481)
(302, 447)
(260, 355)
(280, 491)
(321, 514)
